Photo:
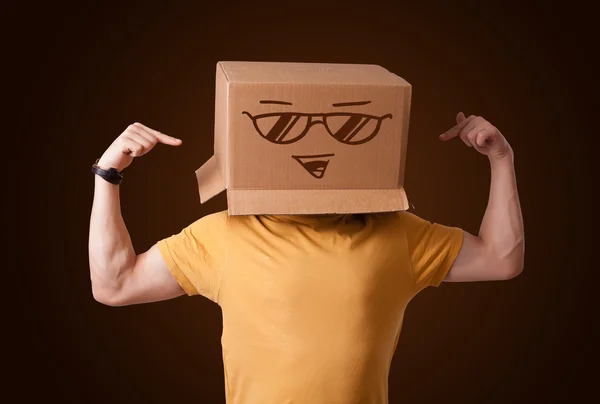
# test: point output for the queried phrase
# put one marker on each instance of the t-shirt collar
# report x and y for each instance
(310, 220)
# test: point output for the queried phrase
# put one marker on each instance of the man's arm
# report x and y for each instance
(119, 276)
(497, 252)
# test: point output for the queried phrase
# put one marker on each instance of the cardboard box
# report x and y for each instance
(308, 138)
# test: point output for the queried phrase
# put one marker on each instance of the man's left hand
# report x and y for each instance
(478, 133)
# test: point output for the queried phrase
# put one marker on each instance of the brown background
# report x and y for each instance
(82, 73)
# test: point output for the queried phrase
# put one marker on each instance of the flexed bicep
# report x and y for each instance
(150, 280)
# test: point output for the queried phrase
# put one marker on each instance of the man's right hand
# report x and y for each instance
(135, 141)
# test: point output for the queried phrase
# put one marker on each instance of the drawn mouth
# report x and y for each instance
(315, 164)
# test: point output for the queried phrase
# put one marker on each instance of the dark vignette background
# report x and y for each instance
(82, 73)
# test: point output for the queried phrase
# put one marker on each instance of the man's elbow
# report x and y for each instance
(509, 270)
(507, 264)
(108, 297)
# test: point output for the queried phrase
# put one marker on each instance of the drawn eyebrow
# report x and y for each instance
(350, 104)
(275, 102)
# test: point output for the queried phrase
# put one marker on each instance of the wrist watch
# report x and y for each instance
(111, 175)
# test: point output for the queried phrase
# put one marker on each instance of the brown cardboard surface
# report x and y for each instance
(314, 73)
(294, 138)
(251, 202)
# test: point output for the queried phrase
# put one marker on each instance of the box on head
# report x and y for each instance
(308, 138)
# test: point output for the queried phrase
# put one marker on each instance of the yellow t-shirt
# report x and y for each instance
(312, 306)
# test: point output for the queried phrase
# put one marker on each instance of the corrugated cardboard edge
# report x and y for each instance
(222, 144)
(210, 181)
(405, 128)
(315, 201)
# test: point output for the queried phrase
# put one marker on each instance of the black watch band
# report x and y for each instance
(111, 175)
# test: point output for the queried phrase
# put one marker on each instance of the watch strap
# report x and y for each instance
(111, 175)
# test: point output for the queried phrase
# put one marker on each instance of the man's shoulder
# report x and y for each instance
(221, 215)
(402, 220)
(397, 217)
(408, 217)
(210, 220)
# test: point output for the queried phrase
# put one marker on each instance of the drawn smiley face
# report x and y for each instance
(349, 128)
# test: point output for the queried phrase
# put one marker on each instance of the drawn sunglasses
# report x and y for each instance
(289, 127)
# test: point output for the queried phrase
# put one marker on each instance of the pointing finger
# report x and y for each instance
(170, 140)
(160, 137)
(453, 132)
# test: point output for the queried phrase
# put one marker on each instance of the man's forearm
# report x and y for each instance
(111, 253)
(502, 229)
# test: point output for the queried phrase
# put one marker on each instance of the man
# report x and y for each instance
(312, 304)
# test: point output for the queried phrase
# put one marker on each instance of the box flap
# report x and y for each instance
(210, 181)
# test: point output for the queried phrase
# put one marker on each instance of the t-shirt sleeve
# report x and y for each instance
(432, 247)
(195, 256)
